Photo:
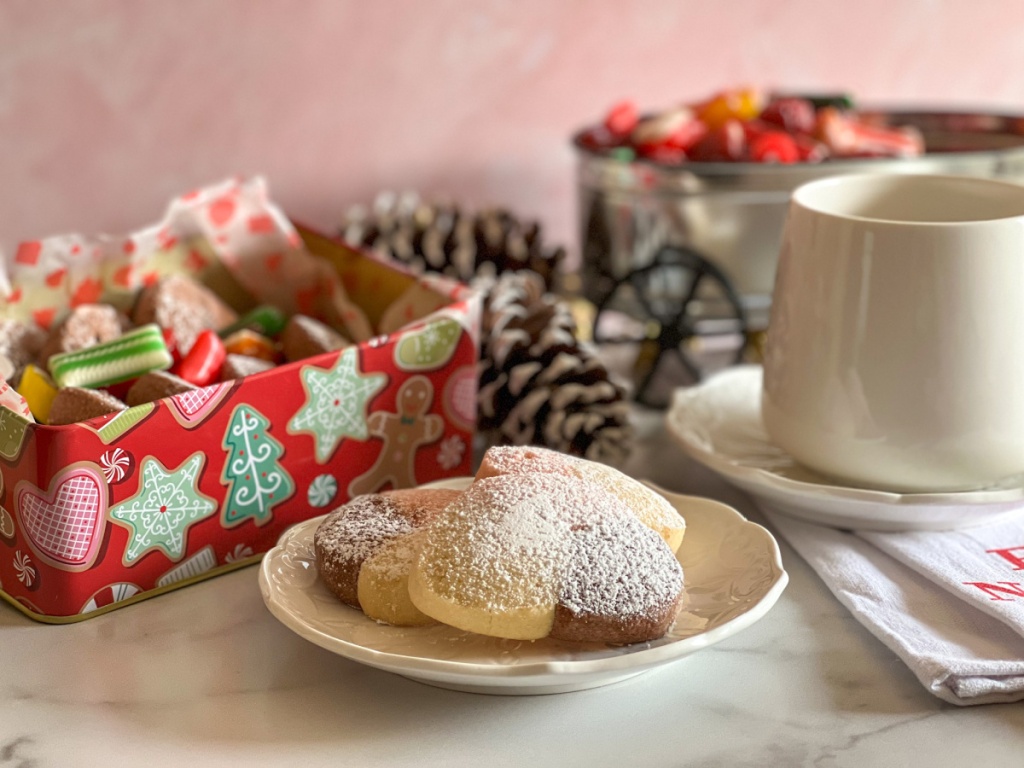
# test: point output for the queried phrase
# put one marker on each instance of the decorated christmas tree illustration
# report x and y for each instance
(256, 481)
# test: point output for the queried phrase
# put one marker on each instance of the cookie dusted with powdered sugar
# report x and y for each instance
(525, 557)
(651, 508)
(364, 551)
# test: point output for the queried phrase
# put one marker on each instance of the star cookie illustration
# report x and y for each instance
(166, 505)
(336, 403)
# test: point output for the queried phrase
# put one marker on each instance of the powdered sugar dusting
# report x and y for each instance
(500, 547)
(355, 531)
(522, 541)
(395, 560)
(620, 567)
(652, 509)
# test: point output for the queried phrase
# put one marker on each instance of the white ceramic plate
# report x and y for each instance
(718, 423)
(731, 567)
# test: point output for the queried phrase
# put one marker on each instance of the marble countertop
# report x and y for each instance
(205, 676)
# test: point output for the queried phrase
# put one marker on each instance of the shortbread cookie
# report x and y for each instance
(650, 507)
(364, 550)
(547, 555)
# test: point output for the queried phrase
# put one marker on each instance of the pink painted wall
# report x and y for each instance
(108, 108)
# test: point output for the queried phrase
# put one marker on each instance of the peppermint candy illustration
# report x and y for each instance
(322, 491)
(23, 568)
(240, 552)
(117, 465)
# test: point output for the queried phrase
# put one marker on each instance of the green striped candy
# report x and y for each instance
(130, 355)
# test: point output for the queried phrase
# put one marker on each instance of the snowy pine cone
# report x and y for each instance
(538, 384)
(440, 237)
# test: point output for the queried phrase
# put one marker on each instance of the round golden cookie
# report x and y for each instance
(365, 548)
(651, 508)
(546, 555)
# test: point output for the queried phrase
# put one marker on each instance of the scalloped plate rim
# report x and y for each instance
(542, 675)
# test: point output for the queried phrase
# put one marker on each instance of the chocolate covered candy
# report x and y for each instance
(237, 366)
(85, 326)
(156, 385)
(305, 337)
(184, 308)
(74, 404)
(20, 342)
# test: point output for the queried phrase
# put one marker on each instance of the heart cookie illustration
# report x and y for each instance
(64, 525)
(191, 408)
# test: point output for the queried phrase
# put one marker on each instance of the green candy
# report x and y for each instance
(132, 354)
(265, 319)
(623, 154)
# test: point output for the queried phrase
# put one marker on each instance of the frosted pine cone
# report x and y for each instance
(539, 385)
(440, 237)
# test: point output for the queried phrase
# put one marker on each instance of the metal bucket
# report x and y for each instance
(689, 251)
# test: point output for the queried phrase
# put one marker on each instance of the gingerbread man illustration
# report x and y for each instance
(403, 433)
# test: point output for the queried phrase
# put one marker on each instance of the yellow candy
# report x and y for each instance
(743, 104)
(38, 390)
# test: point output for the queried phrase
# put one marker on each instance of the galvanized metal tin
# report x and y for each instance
(733, 213)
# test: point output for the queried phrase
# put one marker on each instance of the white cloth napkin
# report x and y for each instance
(950, 604)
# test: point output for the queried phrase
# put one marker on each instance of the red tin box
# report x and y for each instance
(98, 515)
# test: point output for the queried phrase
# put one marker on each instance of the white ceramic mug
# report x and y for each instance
(895, 350)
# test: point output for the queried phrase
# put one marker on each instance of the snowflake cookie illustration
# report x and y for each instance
(322, 491)
(167, 504)
(117, 465)
(336, 403)
(450, 454)
(23, 568)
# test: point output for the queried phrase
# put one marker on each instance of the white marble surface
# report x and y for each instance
(206, 677)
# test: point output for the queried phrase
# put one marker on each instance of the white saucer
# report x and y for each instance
(718, 423)
(733, 573)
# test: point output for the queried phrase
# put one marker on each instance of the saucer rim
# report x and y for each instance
(759, 479)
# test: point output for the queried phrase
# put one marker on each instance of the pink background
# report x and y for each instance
(107, 108)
